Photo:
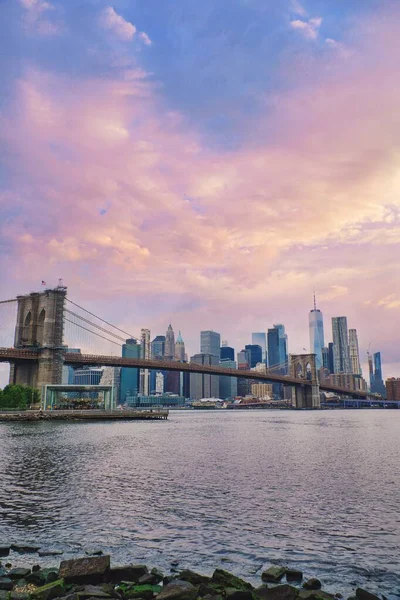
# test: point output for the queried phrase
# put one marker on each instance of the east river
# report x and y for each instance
(319, 491)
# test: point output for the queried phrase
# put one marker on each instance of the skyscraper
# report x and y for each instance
(273, 347)
(227, 353)
(283, 348)
(158, 347)
(354, 352)
(260, 339)
(180, 348)
(145, 353)
(255, 352)
(277, 349)
(227, 385)
(378, 386)
(129, 377)
(316, 330)
(169, 351)
(341, 353)
(210, 343)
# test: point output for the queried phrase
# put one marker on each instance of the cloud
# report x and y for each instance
(297, 8)
(145, 38)
(114, 22)
(310, 28)
(35, 20)
(391, 301)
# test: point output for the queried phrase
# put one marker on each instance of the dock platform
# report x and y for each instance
(84, 415)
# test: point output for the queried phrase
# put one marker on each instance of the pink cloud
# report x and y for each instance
(310, 28)
(111, 20)
(230, 240)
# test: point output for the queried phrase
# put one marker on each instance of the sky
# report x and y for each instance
(207, 164)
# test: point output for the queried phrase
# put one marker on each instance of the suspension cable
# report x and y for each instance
(104, 321)
(8, 301)
(94, 332)
(94, 325)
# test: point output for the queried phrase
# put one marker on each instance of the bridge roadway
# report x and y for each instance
(15, 354)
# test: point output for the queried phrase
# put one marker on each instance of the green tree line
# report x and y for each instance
(18, 397)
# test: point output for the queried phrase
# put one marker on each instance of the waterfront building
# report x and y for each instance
(227, 353)
(260, 339)
(68, 371)
(204, 385)
(210, 343)
(129, 377)
(228, 385)
(112, 377)
(341, 353)
(263, 391)
(145, 353)
(354, 352)
(348, 381)
(378, 386)
(155, 401)
(88, 376)
(158, 347)
(180, 348)
(169, 350)
(393, 388)
(316, 331)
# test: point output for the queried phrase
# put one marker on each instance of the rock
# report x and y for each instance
(49, 591)
(362, 594)
(193, 578)
(234, 594)
(293, 575)
(261, 592)
(3, 572)
(36, 568)
(85, 570)
(4, 550)
(273, 574)
(93, 551)
(211, 589)
(282, 592)
(4, 595)
(6, 583)
(312, 584)
(25, 548)
(151, 578)
(178, 590)
(42, 576)
(128, 573)
(90, 591)
(18, 596)
(175, 563)
(50, 552)
(18, 573)
(145, 591)
(226, 579)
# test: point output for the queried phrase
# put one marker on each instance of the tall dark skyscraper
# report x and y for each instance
(316, 330)
(227, 353)
(129, 377)
(255, 352)
(158, 347)
(378, 386)
(277, 348)
(260, 339)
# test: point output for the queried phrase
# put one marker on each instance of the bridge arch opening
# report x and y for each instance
(40, 327)
(27, 329)
(308, 372)
(299, 372)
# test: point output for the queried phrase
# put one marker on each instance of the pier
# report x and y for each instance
(84, 415)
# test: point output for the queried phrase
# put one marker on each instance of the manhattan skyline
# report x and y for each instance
(206, 166)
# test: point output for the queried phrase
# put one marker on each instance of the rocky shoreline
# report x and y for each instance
(94, 578)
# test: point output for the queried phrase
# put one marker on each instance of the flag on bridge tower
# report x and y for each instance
(43, 282)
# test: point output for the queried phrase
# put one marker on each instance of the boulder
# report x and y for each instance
(315, 595)
(93, 551)
(273, 574)
(128, 573)
(50, 552)
(85, 570)
(227, 580)
(3, 572)
(193, 578)
(261, 592)
(211, 589)
(151, 578)
(6, 583)
(4, 550)
(18, 573)
(42, 576)
(281, 592)
(90, 591)
(4, 595)
(362, 594)
(18, 596)
(312, 584)
(234, 594)
(49, 591)
(178, 590)
(293, 575)
(36, 568)
(25, 548)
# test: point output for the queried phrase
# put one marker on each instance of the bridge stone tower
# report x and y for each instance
(302, 366)
(39, 327)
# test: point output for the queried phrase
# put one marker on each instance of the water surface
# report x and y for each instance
(317, 491)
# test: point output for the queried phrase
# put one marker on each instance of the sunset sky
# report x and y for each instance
(205, 163)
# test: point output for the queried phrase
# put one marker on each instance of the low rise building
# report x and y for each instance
(393, 389)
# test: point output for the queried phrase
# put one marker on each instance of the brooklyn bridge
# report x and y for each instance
(44, 324)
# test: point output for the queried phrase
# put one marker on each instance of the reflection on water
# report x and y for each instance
(317, 491)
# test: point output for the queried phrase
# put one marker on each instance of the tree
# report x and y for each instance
(18, 397)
